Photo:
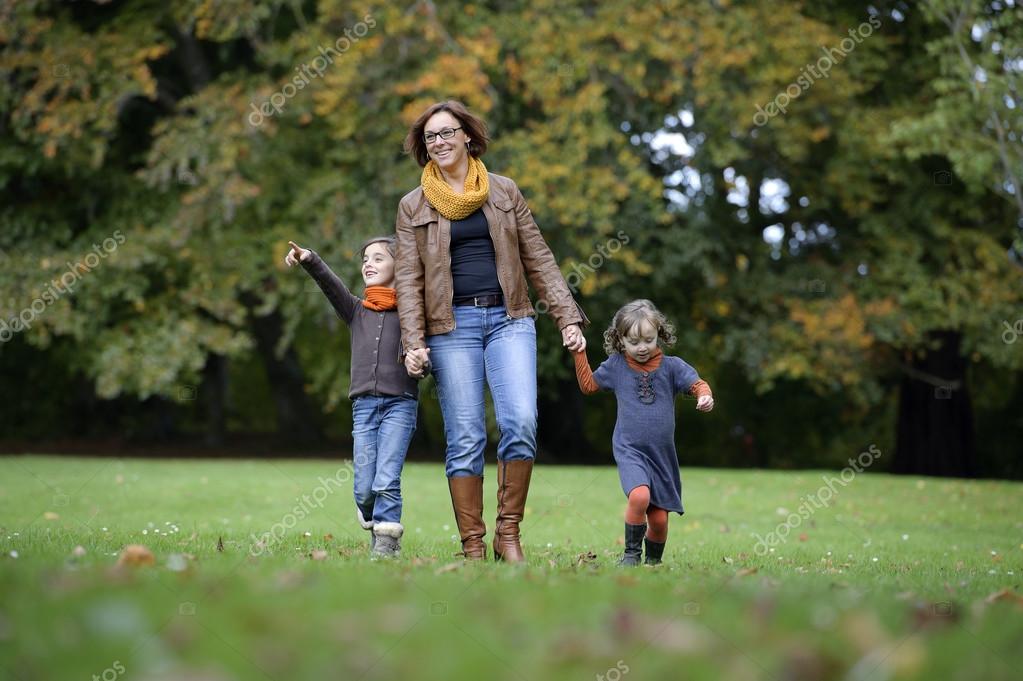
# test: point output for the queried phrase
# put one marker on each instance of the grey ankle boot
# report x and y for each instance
(633, 545)
(387, 540)
(654, 551)
(367, 525)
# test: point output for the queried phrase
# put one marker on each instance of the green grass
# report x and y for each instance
(891, 581)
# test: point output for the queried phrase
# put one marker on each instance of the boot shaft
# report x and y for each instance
(512, 490)
(654, 551)
(467, 501)
(633, 554)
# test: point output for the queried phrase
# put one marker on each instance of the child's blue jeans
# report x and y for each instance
(382, 429)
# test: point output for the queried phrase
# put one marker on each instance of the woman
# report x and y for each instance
(466, 244)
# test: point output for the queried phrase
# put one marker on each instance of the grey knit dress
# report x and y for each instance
(644, 435)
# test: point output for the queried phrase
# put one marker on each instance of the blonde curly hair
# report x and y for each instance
(631, 314)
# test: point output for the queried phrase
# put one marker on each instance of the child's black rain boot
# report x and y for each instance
(633, 545)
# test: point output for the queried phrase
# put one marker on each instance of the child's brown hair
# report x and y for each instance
(390, 243)
(631, 314)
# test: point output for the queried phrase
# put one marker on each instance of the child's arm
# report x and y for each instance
(583, 374)
(689, 382)
(337, 293)
(704, 398)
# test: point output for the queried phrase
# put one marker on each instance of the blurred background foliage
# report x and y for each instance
(843, 273)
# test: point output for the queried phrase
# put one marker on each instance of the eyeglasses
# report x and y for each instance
(445, 134)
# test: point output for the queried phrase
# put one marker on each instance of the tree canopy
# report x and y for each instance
(825, 198)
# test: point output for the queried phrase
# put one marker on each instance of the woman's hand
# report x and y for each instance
(416, 361)
(296, 254)
(572, 338)
(704, 403)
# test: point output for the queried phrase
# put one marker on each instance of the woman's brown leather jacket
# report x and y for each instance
(423, 266)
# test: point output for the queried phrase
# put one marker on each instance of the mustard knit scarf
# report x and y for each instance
(449, 204)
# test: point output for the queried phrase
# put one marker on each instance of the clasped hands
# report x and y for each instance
(417, 361)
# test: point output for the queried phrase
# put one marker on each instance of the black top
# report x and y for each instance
(473, 260)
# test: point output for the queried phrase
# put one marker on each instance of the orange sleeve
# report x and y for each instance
(699, 389)
(584, 375)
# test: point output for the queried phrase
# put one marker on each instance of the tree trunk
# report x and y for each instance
(214, 392)
(935, 427)
(296, 422)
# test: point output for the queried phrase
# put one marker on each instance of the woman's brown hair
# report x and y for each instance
(474, 128)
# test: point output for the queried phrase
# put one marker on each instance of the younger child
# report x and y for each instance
(384, 397)
(645, 381)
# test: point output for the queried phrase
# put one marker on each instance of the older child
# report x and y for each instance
(645, 381)
(384, 396)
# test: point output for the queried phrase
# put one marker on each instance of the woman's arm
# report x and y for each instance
(333, 287)
(409, 281)
(542, 269)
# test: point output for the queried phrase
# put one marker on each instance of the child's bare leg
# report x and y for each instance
(635, 525)
(639, 500)
(657, 524)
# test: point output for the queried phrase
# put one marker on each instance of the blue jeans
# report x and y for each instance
(485, 344)
(382, 430)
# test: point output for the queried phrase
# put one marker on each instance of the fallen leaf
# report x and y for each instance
(805, 664)
(450, 567)
(745, 572)
(1005, 594)
(136, 555)
(667, 633)
(318, 554)
(50, 515)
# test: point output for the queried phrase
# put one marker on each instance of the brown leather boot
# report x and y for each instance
(467, 500)
(512, 489)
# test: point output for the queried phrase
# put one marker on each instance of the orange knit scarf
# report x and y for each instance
(380, 298)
